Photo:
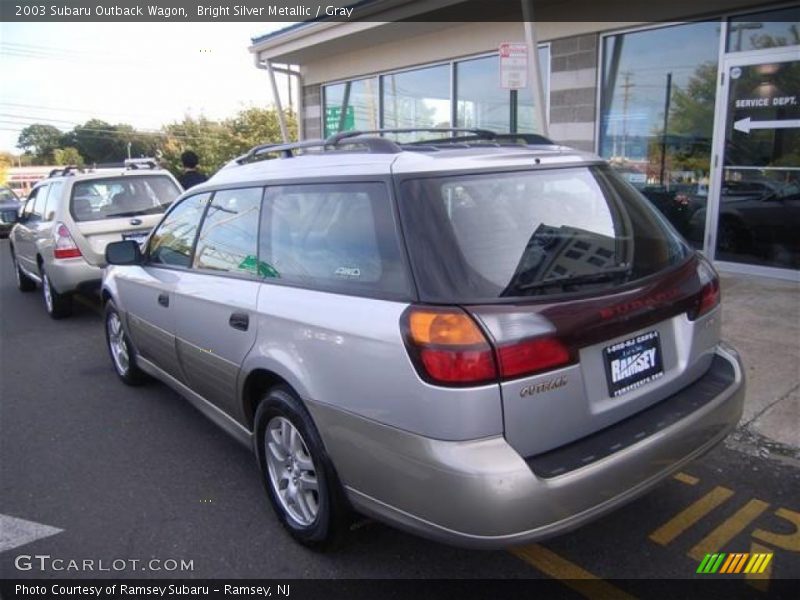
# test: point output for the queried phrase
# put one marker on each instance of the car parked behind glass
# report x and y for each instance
(484, 339)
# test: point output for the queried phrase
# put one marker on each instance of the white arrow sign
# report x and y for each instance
(18, 532)
(746, 124)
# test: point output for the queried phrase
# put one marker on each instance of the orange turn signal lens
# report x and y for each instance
(444, 328)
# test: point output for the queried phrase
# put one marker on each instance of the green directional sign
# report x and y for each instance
(333, 114)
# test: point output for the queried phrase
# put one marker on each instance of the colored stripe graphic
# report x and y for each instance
(734, 563)
(726, 565)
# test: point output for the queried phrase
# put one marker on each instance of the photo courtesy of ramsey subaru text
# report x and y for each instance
(485, 339)
(61, 233)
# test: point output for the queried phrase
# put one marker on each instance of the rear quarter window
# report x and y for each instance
(338, 237)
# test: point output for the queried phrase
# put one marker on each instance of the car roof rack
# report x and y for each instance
(140, 163)
(64, 171)
(375, 142)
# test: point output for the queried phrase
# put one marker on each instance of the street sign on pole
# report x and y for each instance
(513, 65)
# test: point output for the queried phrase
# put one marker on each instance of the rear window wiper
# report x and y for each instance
(618, 274)
(131, 213)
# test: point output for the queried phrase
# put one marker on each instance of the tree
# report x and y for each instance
(67, 156)
(39, 140)
(218, 142)
(692, 108)
(98, 142)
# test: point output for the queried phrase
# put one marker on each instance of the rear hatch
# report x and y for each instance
(595, 308)
(111, 209)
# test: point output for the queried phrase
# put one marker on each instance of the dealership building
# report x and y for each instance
(698, 106)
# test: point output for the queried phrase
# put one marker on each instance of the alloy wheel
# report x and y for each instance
(291, 471)
(116, 343)
(48, 293)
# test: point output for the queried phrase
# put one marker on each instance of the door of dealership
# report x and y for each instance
(753, 203)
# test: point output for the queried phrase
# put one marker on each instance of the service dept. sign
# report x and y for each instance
(513, 65)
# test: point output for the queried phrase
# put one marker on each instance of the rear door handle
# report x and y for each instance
(163, 299)
(239, 321)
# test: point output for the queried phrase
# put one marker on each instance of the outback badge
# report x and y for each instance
(546, 386)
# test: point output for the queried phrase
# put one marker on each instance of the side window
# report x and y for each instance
(338, 237)
(228, 239)
(28, 208)
(53, 196)
(37, 206)
(172, 241)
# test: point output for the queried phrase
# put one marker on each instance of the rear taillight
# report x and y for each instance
(447, 347)
(532, 356)
(709, 296)
(65, 246)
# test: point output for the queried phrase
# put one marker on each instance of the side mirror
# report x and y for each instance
(126, 252)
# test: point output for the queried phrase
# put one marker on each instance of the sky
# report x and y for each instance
(143, 74)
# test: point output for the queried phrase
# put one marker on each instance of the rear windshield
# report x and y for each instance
(492, 236)
(6, 195)
(118, 197)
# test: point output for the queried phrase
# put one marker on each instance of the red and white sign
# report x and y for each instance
(513, 65)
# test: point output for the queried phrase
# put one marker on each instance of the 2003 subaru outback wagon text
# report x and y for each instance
(484, 339)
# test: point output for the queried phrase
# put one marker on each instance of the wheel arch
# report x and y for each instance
(255, 385)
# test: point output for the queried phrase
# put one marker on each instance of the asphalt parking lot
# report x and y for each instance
(137, 473)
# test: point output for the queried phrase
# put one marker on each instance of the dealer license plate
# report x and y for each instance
(139, 236)
(632, 363)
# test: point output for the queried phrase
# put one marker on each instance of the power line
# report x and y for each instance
(41, 107)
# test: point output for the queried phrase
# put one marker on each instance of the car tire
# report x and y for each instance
(120, 349)
(732, 237)
(299, 476)
(24, 283)
(57, 305)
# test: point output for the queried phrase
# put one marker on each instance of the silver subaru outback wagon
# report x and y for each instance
(484, 339)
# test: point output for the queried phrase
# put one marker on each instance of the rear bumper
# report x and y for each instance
(483, 494)
(73, 275)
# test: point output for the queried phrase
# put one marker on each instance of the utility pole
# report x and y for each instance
(627, 75)
(664, 132)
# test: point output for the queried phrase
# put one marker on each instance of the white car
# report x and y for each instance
(61, 234)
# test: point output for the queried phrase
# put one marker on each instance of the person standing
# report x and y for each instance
(190, 176)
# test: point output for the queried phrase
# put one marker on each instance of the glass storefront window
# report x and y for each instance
(481, 102)
(422, 98)
(759, 203)
(658, 88)
(756, 31)
(419, 98)
(351, 105)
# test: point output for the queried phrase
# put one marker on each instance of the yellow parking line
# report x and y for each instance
(690, 515)
(784, 541)
(686, 478)
(729, 529)
(570, 574)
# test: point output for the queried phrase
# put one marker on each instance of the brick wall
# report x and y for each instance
(573, 90)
